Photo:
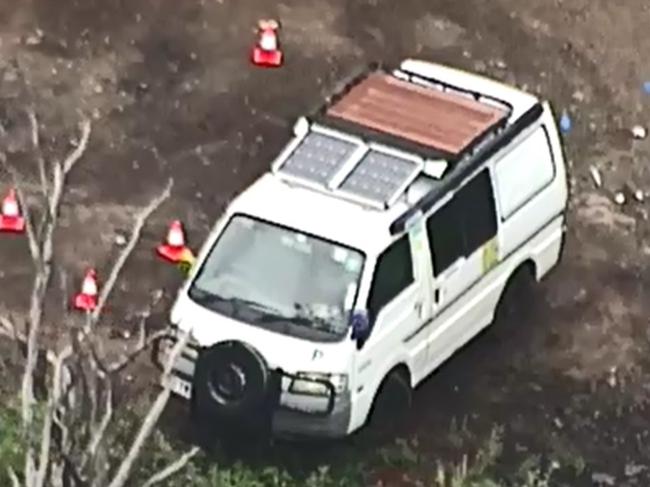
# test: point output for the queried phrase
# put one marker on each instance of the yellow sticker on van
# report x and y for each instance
(490, 254)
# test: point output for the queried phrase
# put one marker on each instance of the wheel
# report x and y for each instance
(516, 303)
(393, 400)
(232, 390)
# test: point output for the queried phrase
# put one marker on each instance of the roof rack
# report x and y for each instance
(343, 149)
(442, 120)
(403, 110)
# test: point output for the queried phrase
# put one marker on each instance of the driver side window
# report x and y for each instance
(393, 273)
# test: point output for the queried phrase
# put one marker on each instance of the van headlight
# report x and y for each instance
(312, 383)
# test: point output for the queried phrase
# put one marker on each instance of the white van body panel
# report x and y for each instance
(533, 233)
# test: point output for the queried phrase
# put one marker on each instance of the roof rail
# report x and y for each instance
(418, 78)
(462, 170)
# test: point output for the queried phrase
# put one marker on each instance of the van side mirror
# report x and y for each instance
(361, 325)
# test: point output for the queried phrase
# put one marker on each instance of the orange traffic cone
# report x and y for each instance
(86, 300)
(10, 219)
(267, 51)
(174, 249)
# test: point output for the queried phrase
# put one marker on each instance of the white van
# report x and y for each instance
(400, 220)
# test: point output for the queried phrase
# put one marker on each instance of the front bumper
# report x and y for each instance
(292, 423)
(295, 415)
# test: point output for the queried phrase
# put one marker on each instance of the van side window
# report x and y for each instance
(393, 273)
(445, 232)
(479, 211)
(464, 224)
(523, 172)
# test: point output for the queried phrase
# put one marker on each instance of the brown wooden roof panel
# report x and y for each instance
(441, 120)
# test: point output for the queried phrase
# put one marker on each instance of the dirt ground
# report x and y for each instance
(172, 94)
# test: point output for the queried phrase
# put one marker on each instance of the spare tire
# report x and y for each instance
(231, 381)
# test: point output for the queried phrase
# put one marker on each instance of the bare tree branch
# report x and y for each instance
(79, 150)
(56, 473)
(98, 434)
(61, 171)
(36, 143)
(65, 433)
(71, 474)
(14, 478)
(8, 329)
(120, 365)
(63, 284)
(172, 468)
(144, 341)
(150, 419)
(93, 392)
(140, 220)
(30, 467)
(116, 367)
(42, 257)
(35, 312)
(46, 433)
(71, 433)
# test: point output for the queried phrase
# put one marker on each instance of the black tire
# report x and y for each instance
(516, 303)
(231, 384)
(392, 402)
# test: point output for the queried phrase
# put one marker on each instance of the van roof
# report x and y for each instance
(348, 171)
(443, 120)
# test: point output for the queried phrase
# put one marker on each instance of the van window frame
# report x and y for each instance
(503, 218)
(463, 217)
(401, 240)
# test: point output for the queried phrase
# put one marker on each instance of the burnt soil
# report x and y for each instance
(171, 92)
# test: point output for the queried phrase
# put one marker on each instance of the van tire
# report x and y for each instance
(515, 304)
(392, 401)
(230, 360)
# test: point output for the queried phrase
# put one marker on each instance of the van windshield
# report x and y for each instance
(281, 279)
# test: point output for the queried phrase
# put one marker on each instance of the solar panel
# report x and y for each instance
(380, 177)
(318, 158)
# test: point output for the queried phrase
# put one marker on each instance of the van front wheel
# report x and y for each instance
(391, 403)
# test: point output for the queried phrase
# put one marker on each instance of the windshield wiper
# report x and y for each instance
(202, 296)
(313, 322)
(209, 297)
(262, 308)
(269, 313)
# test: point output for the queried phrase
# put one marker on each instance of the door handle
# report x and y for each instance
(418, 308)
